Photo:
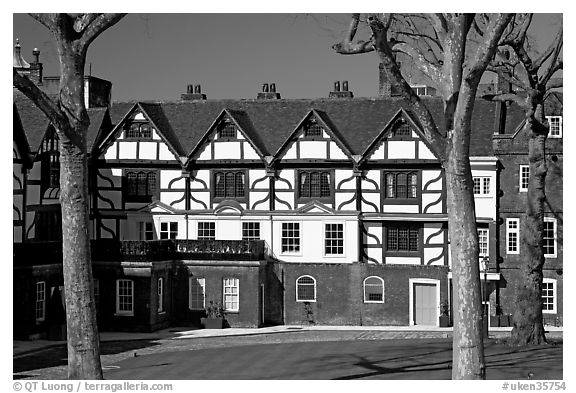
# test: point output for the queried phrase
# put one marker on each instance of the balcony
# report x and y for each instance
(42, 253)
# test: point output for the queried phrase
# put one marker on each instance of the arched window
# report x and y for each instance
(139, 130)
(373, 290)
(229, 184)
(401, 185)
(315, 184)
(306, 289)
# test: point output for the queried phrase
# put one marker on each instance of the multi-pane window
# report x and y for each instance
(373, 290)
(40, 301)
(549, 237)
(141, 185)
(206, 230)
(548, 296)
(483, 241)
(197, 298)
(402, 129)
(54, 181)
(146, 230)
(139, 130)
(313, 129)
(401, 185)
(124, 297)
(555, 123)
(227, 130)
(160, 294)
(334, 239)
(168, 230)
(512, 235)
(250, 231)
(402, 238)
(481, 185)
(229, 184)
(524, 176)
(314, 184)
(231, 294)
(51, 160)
(290, 237)
(306, 289)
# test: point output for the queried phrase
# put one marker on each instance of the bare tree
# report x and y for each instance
(531, 84)
(73, 34)
(439, 45)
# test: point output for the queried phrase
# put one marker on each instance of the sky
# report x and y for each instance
(154, 56)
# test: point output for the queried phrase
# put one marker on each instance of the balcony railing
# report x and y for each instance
(42, 253)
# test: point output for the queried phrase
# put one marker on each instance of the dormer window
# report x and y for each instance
(139, 130)
(227, 130)
(555, 123)
(313, 129)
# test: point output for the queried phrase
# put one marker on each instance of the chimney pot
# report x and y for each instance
(345, 86)
(36, 54)
(197, 89)
(337, 86)
(265, 88)
(189, 89)
(272, 87)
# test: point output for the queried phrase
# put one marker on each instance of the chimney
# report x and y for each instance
(503, 85)
(268, 92)
(32, 71)
(36, 68)
(193, 93)
(344, 93)
(386, 88)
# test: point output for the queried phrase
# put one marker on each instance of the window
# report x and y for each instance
(227, 130)
(548, 296)
(125, 297)
(160, 295)
(483, 241)
(250, 231)
(141, 186)
(512, 235)
(555, 123)
(146, 230)
(229, 184)
(168, 230)
(40, 301)
(314, 184)
(402, 129)
(306, 289)
(313, 129)
(49, 224)
(50, 161)
(290, 237)
(334, 239)
(402, 238)
(197, 299)
(524, 178)
(481, 185)
(549, 237)
(231, 294)
(54, 179)
(139, 130)
(373, 290)
(206, 230)
(401, 185)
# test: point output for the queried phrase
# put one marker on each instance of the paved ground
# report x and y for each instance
(305, 354)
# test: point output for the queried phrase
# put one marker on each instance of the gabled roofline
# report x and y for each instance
(334, 134)
(312, 204)
(400, 113)
(229, 113)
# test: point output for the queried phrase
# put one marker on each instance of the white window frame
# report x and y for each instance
(200, 283)
(169, 231)
(298, 292)
(509, 232)
(555, 228)
(484, 190)
(366, 300)
(160, 293)
(296, 253)
(550, 119)
(130, 312)
(231, 283)
(554, 298)
(520, 177)
(198, 230)
(254, 226)
(325, 239)
(40, 304)
(486, 232)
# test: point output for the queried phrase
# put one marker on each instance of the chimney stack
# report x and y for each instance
(344, 93)
(193, 93)
(268, 92)
(32, 71)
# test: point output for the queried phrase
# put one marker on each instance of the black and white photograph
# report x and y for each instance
(287, 196)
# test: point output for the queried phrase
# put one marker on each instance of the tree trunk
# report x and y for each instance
(83, 339)
(528, 324)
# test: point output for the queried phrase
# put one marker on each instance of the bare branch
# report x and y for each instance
(550, 73)
(432, 70)
(439, 22)
(41, 100)
(554, 84)
(553, 49)
(508, 97)
(99, 25)
(347, 47)
(82, 21)
(48, 20)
